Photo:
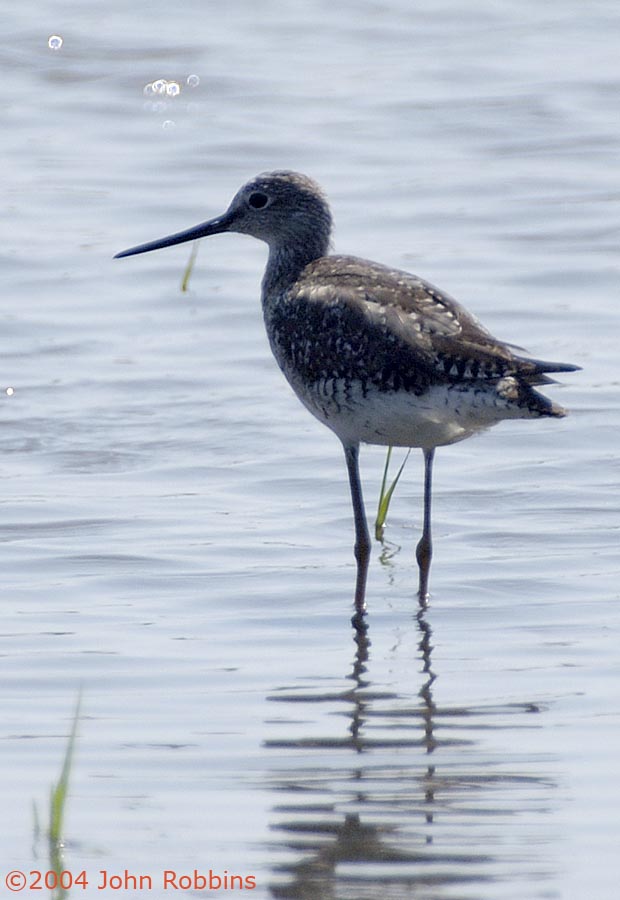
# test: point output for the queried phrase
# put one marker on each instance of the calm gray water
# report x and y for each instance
(175, 529)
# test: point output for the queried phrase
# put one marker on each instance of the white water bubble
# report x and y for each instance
(173, 88)
(9, 391)
(193, 81)
(168, 123)
(54, 42)
(159, 86)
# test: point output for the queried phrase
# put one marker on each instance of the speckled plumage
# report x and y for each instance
(376, 354)
(374, 332)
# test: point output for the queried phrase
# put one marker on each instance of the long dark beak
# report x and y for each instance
(213, 226)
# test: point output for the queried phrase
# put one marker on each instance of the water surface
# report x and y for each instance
(175, 529)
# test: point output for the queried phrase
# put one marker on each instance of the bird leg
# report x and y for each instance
(424, 550)
(362, 537)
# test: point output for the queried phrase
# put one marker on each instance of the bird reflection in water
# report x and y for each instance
(360, 807)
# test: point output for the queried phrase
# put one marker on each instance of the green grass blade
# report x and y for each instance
(382, 507)
(189, 267)
(385, 496)
(58, 794)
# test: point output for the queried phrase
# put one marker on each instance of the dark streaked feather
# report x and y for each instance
(426, 328)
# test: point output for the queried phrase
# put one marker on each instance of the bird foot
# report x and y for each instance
(358, 621)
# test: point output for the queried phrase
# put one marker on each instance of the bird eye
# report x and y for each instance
(258, 200)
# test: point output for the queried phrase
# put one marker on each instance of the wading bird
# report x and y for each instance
(376, 354)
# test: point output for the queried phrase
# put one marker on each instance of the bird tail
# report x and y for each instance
(536, 370)
(520, 392)
(543, 406)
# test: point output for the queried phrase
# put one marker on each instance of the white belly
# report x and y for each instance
(442, 415)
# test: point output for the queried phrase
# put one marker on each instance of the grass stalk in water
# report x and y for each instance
(58, 803)
(58, 797)
(385, 496)
(189, 268)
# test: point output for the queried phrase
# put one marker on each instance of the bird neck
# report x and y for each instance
(286, 262)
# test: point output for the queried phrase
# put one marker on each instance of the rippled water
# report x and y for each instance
(175, 529)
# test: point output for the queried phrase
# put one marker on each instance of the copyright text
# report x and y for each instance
(125, 880)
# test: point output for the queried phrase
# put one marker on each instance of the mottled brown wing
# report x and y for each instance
(440, 333)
